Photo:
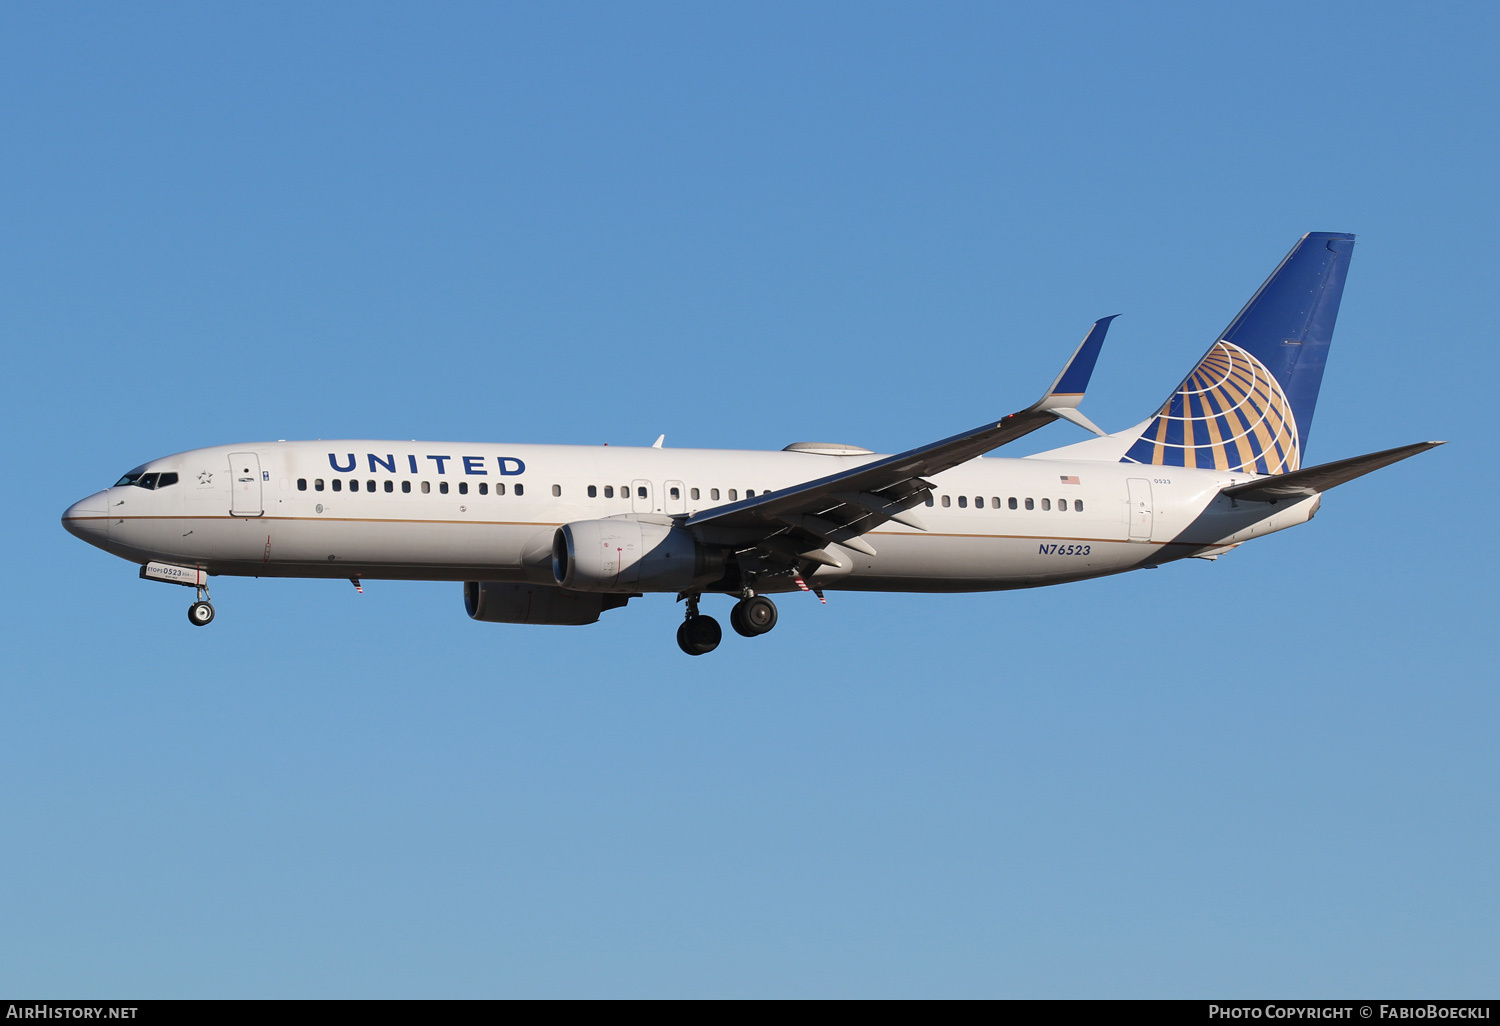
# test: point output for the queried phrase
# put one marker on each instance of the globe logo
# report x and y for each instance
(1230, 414)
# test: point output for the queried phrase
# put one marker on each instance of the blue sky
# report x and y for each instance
(743, 226)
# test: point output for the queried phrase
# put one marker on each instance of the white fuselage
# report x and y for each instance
(433, 511)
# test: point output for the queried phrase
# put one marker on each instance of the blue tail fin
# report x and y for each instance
(1249, 402)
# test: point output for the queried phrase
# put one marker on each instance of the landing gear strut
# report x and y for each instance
(753, 616)
(201, 613)
(698, 634)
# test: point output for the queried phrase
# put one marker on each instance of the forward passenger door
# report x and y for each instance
(245, 478)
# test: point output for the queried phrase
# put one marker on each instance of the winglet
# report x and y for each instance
(1067, 391)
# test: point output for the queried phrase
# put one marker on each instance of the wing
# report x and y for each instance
(1299, 484)
(841, 507)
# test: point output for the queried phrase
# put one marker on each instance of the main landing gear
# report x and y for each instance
(698, 634)
(751, 617)
(201, 613)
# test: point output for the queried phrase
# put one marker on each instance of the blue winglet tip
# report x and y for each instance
(1074, 379)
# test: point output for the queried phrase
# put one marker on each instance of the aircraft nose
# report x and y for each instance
(88, 518)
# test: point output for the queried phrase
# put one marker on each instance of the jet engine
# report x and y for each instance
(631, 556)
(496, 602)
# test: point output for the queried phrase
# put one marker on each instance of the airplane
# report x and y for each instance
(560, 534)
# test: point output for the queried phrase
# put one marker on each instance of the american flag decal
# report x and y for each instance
(1068, 480)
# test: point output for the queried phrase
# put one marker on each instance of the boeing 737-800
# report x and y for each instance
(558, 534)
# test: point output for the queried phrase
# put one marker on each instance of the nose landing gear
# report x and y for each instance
(201, 613)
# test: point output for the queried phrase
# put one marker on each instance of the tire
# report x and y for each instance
(200, 614)
(737, 621)
(758, 615)
(700, 635)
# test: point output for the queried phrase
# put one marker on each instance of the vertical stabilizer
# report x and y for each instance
(1249, 403)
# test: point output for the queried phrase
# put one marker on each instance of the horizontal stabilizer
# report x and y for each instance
(1299, 484)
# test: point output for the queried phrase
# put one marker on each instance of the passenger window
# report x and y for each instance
(369, 486)
(500, 488)
(693, 493)
(979, 502)
(1077, 505)
(929, 498)
(390, 486)
(713, 493)
(1012, 502)
(640, 492)
(733, 495)
(609, 491)
(426, 487)
(947, 502)
(593, 492)
(995, 501)
(406, 487)
(1046, 504)
(148, 480)
(338, 485)
(520, 488)
(963, 502)
(1062, 504)
(318, 485)
(463, 488)
(556, 491)
(1030, 504)
(166, 479)
(676, 493)
(749, 493)
(443, 487)
(484, 488)
(301, 484)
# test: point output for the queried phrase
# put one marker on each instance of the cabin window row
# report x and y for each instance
(1011, 503)
(674, 492)
(424, 487)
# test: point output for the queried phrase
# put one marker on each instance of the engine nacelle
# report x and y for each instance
(631, 556)
(496, 602)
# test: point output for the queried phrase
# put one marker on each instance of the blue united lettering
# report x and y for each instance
(509, 466)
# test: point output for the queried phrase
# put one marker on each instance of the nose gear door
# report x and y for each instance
(245, 478)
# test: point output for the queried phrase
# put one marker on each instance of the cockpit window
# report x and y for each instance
(141, 479)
